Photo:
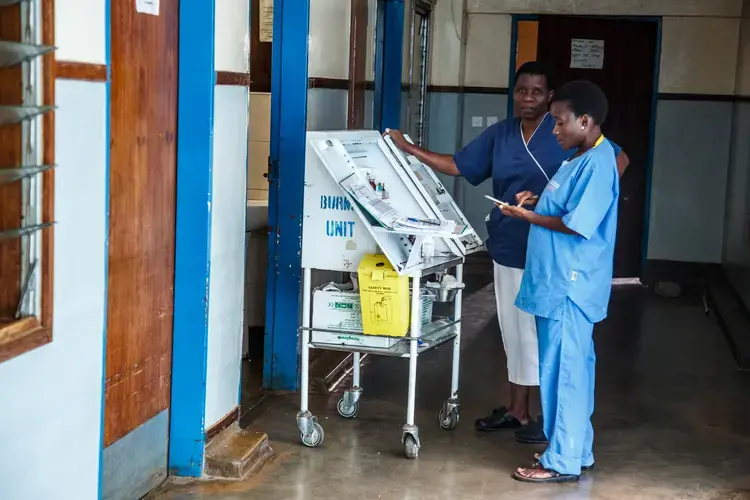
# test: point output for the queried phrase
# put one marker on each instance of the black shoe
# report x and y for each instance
(500, 420)
(532, 433)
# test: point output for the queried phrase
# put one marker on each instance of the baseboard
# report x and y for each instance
(227, 420)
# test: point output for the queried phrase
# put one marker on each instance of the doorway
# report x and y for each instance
(625, 67)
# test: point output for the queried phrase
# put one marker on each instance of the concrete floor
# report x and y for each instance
(671, 419)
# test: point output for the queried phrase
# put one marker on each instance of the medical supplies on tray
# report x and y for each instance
(338, 310)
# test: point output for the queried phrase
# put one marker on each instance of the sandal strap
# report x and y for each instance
(552, 473)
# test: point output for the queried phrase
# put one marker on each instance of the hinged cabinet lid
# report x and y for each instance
(441, 202)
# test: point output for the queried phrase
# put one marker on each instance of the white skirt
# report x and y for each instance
(517, 327)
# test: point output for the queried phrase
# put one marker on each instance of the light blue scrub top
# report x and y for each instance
(499, 154)
(584, 192)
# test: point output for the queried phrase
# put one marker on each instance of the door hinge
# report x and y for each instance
(273, 170)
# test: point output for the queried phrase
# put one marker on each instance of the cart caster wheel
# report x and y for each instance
(411, 448)
(347, 411)
(315, 438)
(450, 421)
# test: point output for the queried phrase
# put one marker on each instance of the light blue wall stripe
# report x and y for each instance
(288, 128)
(193, 237)
(108, 59)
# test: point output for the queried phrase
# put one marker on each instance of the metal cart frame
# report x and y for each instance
(431, 335)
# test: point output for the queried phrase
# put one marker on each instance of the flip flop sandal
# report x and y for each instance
(554, 477)
(536, 464)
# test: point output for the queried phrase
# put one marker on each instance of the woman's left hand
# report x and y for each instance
(515, 212)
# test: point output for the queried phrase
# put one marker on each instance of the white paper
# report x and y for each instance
(266, 21)
(491, 120)
(147, 7)
(369, 200)
(477, 121)
(586, 54)
(390, 218)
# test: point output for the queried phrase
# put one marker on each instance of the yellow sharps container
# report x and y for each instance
(384, 296)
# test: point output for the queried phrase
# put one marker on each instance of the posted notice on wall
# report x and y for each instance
(586, 54)
(147, 7)
(266, 21)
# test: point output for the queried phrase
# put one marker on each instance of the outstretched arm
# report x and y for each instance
(445, 164)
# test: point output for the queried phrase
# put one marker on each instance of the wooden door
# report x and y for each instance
(143, 168)
(627, 77)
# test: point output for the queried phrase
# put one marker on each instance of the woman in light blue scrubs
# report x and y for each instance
(568, 275)
(517, 154)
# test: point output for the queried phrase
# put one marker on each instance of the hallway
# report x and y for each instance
(671, 420)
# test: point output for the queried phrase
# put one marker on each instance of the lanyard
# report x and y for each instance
(525, 144)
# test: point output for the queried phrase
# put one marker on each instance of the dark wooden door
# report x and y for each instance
(627, 77)
(143, 169)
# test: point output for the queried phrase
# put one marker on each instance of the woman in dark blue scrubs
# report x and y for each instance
(518, 154)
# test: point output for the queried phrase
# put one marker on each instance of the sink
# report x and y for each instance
(256, 215)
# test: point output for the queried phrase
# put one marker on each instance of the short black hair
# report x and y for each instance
(584, 98)
(535, 68)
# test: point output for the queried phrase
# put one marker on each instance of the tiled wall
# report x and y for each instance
(259, 144)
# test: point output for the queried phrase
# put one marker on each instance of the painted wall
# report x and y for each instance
(736, 255)
(228, 209)
(76, 44)
(50, 424)
(690, 167)
(63, 380)
(232, 39)
(699, 53)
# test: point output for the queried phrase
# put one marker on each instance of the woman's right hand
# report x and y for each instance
(526, 198)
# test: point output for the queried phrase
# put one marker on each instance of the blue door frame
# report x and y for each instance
(195, 123)
(287, 167)
(291, 24)
(389, 42)
(654, 101)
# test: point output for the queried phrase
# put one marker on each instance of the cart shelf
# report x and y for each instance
(433, 334)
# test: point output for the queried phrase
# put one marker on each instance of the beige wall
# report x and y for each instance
(232, 39)
(699, 40)
(742, 86)
(445, 46)
(698, 55)
(705, 8)
(328, 44)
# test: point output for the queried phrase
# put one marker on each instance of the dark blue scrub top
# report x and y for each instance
(499, 153)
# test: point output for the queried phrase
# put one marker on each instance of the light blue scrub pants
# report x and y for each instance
(566, 376)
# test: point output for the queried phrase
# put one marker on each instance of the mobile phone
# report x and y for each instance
(495, 200)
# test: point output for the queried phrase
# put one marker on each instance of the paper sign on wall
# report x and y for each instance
(147, 7)
(266, 21)
(586, 54)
